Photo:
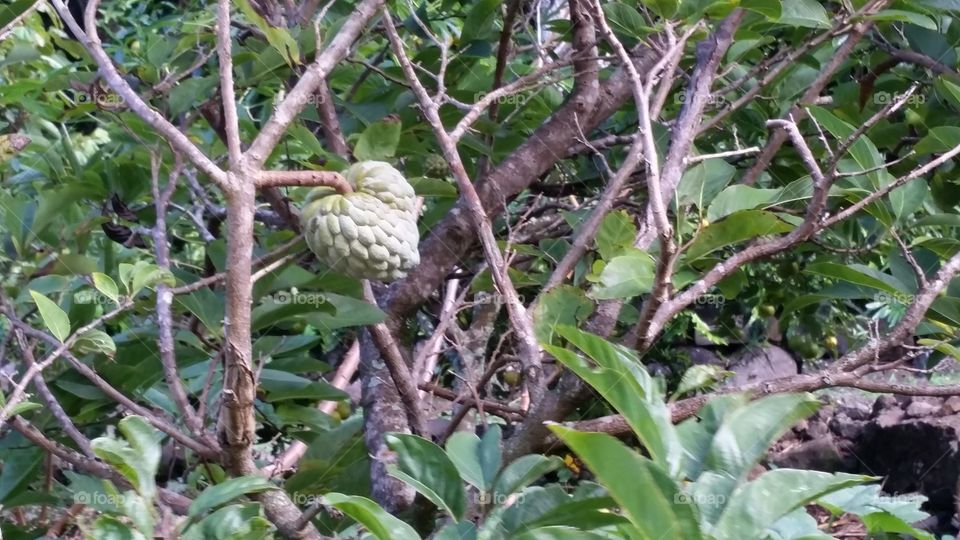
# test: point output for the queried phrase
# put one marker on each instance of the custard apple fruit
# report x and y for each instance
(370, 233)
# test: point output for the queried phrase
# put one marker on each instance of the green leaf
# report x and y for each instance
(565, 304)
(625, 276)
(937, 140)
(22, 407)
(771, 9)
(747, 432)
(900, 15)
(866, 499)
(859, 274)
(479, 22)
(908, 198)
(752, 508)
(624, 383)
(95, 342)
(863, 151)
(222, 493)
(183, 96)
(664, 8)
(883, 524)
(278, 36)
(625, 21)
(110, 528)
(739, 197)
(234, 522)
(142, 438)
(106, 286)
(463, 530)
(349, 312)
(463, 449)
(148, 275)
(559, 533)
(379, 141)
(20, 466)
(806, 13)
(951, 89)
(735, 228)
(373, 518)
(54, 318)
(647, 494)
(616, 234)
(698, 377)
(522, 472)
(424, 466)
(701, 183)
(478, 461)
(8, 13)
(208, 307)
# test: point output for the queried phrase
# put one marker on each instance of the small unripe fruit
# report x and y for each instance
(831, 342)
(704, 223)
(512, 378)
(344, 409)
(768, 310)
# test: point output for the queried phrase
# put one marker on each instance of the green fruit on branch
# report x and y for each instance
(370, 233)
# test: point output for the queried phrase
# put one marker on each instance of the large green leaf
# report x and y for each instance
(739, 197)
(938, 140)
(278, 36)
(646, 493)
(701, 183)
(757, 505)
(622, 381)
(616, 234)
(19, 467)
(426, 467)
(737, 227)
(477, 460)
(860, 275)
(747, 432)
(375, 519)
(522, 472)
(379, 141)
(224, 492)
(136, 458)
(559, 533)
(565, 305)
(625, 276)
(54, 318)
(233, 522)
(625, 21)
(807, 13)
(111, 528)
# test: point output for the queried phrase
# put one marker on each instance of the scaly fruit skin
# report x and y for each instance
(370, 233)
